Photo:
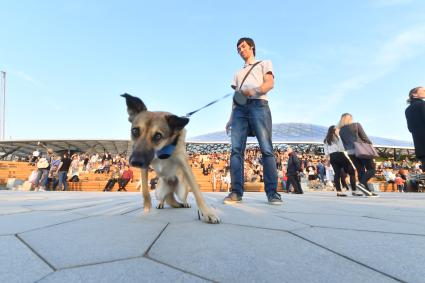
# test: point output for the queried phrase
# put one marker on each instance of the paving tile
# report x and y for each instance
(110, 208)
(93, 236)
(93, 240)
(401, 256)
(417, 219)
(7, 210)
(353, 222)
(229, 253)
(18, 263)
(169, 214)
(18, 223)
(134, 270)
(63, 204)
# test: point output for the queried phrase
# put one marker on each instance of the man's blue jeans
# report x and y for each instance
(42, 177)
(62, 180)
(255, 116)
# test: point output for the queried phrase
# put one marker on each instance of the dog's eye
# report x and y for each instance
(135, 132)
(157, 137)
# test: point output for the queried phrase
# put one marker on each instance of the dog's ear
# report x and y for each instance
(134, 106)
(176, 123)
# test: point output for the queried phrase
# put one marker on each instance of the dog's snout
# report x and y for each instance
(137, 164)
(140, 161)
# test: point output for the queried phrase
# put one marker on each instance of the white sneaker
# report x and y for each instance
(374, 195)
(363, 190)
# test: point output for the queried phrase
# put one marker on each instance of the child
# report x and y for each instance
(399, 182)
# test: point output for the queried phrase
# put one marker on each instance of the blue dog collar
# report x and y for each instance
(166, 151)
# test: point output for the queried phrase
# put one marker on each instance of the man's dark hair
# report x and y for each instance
(249, 41)
(412, 92)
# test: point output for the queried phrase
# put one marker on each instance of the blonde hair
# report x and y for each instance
(346, 119)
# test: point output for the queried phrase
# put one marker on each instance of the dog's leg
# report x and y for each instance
(182, 192)
(171, 200)
(160, 204)
(206, 213)
(161, 192)
(185, 203)
(147, 203)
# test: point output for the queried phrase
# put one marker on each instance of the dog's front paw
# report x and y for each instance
(160, 206)
(208, 216)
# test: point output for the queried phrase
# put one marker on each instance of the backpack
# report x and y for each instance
(42, 163)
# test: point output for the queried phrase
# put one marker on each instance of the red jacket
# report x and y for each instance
(127, 174)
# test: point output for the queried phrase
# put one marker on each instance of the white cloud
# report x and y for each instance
(404, 46)
(28, 78)
(46, 100)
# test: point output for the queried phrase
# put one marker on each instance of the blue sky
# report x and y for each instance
(68, 61)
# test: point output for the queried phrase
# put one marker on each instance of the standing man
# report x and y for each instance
(293, 172)
(253, 81)
(43, 165)
(63, 169)
(415, 116)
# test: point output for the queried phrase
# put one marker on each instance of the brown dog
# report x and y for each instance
(159, 141)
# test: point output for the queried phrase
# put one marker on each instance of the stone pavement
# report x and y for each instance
(315, 237)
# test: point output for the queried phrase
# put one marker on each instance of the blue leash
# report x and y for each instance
(208, 105)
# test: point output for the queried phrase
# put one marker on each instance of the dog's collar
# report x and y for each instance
(167, 150)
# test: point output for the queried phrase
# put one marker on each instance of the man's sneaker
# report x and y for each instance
(232, 198)
(374, 195)
(356, 194)
(363, 189)
(275, 199)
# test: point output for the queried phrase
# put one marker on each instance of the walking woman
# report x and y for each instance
(353, 132)
(335, 152)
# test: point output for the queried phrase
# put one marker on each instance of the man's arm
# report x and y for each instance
(268, 83)
(423, 111)
(59, 167)
(264, 88)
(363, 135)
(229, 123)
(297, 162)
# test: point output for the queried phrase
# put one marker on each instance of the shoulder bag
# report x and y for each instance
(364, 150)
(238, 97)
(42, 163)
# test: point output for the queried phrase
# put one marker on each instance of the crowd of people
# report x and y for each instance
(53, 171)
(317, 171)
(313, 170)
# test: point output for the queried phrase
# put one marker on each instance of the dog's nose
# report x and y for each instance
(139, 160)
(137, 164)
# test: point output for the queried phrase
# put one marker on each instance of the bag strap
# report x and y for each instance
(357, 132)
(358, 136)
(248, 73)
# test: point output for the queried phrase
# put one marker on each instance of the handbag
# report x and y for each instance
(42, 163)
(364, 150)
(238, 97)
